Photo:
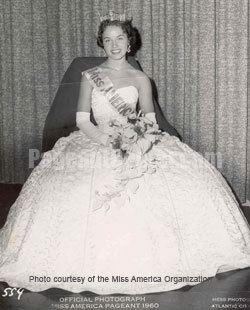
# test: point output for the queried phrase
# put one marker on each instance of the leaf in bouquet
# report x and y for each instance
(150, 137)
(151, 146)
(157, 140)
(132, 118)
(112, 123)
(135, 149)
(129, 132)
(144, 145)
(116, 143)
(125, 146)
(132, 121)
(132, 115)
(139, 129)
(123, 153)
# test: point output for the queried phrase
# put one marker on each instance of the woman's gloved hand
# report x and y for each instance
(85, 125)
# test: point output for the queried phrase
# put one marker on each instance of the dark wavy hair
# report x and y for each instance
(127, 28)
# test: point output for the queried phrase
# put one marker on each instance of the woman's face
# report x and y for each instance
(115, 42)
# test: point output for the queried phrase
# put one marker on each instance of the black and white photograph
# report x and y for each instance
(124, 154)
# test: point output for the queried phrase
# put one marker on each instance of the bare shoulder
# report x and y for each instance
(139, 74)
(141, 78)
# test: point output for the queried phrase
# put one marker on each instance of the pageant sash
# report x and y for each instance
(104, 85)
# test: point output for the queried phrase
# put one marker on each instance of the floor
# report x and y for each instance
(229, 290)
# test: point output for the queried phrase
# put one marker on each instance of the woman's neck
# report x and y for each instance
(116, 64)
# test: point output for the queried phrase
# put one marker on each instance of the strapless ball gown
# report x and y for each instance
(75, 218)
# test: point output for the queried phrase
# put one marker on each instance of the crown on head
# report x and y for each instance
(113, 16)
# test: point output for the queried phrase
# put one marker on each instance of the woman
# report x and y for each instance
(89, 219)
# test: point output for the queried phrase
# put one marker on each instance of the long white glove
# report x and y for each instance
(151, 117)
(85, 125)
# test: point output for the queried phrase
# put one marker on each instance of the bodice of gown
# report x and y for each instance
(104, 112)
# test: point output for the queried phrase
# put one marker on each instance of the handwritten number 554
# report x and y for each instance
(10, 292)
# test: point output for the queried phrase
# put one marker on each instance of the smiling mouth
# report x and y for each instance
(115, 51)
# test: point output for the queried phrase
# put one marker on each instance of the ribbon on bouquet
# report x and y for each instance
(119, 187)
(104, 85)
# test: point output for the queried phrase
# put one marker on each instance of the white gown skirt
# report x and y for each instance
(79, 225)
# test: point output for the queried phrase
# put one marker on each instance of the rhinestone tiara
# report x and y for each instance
(113, 16)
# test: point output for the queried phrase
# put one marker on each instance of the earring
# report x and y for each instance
(128, 49)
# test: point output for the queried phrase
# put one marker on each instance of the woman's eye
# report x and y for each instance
(120, 38)
(106, 41)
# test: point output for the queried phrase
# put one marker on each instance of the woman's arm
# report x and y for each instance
(146, 97)
(83, 113)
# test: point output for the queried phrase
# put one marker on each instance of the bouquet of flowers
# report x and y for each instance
(132, 140)
(137, 136)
